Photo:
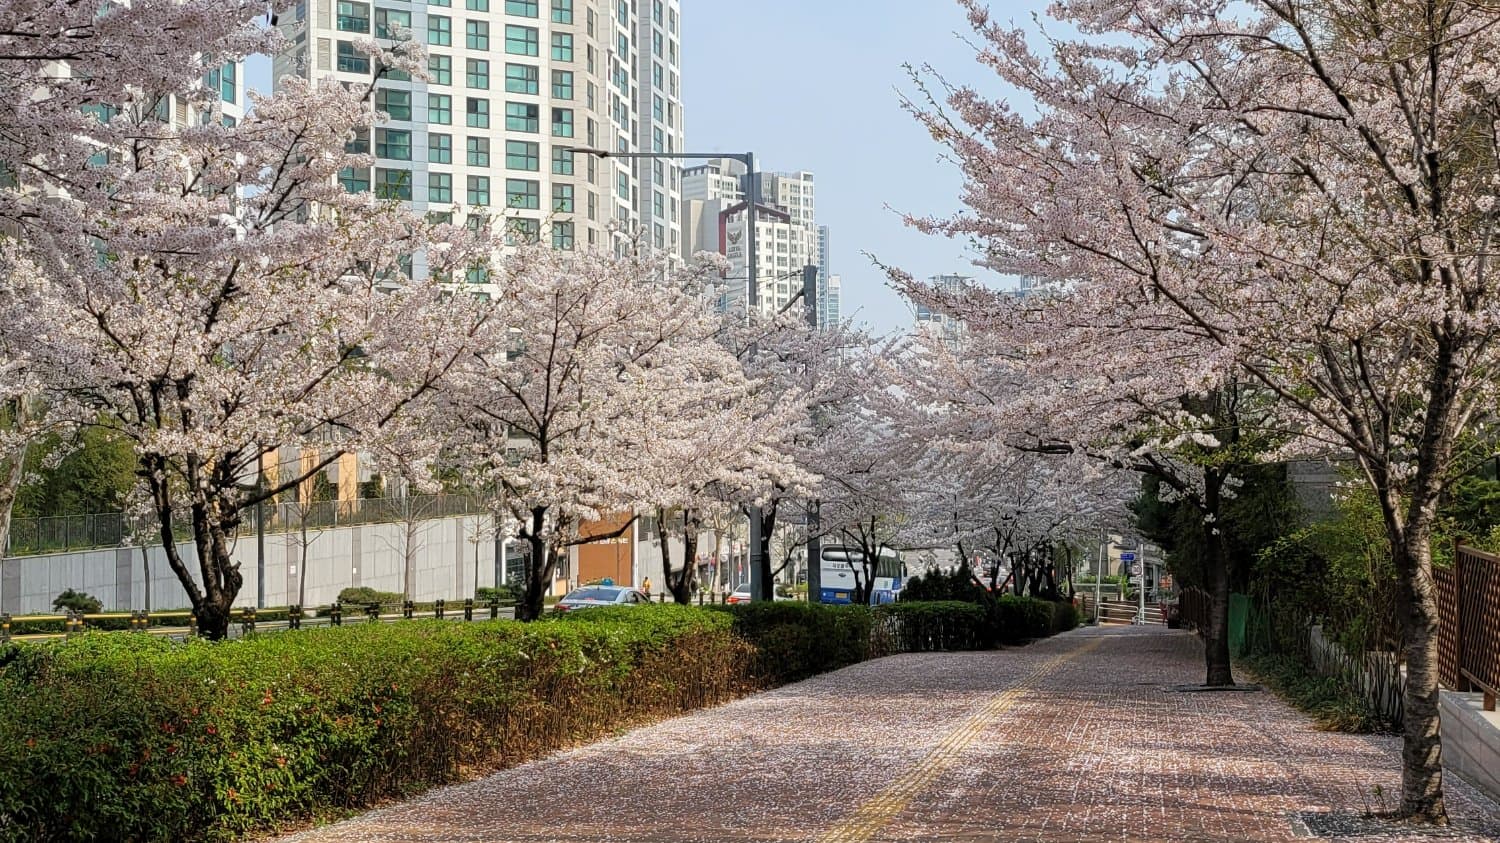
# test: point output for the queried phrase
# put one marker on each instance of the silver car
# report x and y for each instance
(600, 595)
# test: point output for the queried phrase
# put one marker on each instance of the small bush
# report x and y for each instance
(77, 601)
(1333, 705)
(503, 593)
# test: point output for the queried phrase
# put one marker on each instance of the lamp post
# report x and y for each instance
(752, 294)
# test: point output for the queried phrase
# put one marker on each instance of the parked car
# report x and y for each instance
(600, 595)
(739, 595)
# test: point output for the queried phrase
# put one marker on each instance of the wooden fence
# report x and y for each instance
(1468, 597)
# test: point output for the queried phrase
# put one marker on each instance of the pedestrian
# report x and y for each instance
(646, 586)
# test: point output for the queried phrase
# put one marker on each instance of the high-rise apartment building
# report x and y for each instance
(786, 230)
(943, 325)
(514, 87)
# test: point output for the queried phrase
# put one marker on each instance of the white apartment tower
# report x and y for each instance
(786, 231)
(948, 328)
(515, 86)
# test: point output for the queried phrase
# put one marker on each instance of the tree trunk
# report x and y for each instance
(146, 574)
(767, 573)
(679, 585)
(1218, 671)
(11, 472)
(302, 574)
(1421, 749)
(539, 566)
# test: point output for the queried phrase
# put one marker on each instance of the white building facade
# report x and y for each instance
(515, 86)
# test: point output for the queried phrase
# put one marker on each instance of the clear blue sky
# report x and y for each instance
(812, 85)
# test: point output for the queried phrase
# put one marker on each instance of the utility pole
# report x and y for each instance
(814, 509)
(1140, 588)
(1099, 576)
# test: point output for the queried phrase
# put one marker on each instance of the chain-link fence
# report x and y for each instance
(36, 536)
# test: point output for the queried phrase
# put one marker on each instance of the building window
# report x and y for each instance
(656, 42)
(522, 231)
(440, 68)
(355, 179)
(477, 113)
(523, 193)
(656, 11)
(562, 122)
(562, 84)
(387, 21)
(439, 31)
(226, 82)
(622, 185)
(359, 144)
(442, 217)
(562, 11)
(562, 235)
(562, 161)
(440, 2)
(476, 35)
(477, 5)
(562, 198)
(440, 149)
(521, 40)
(658, 204)
(523, 155)
(521, 78)
(440, 188)
(353, 17)
(351, 60)
(658, 141)
(479, 190)
(396, 103)
(476, 275)
(394, 144)
(479, 152)
(523, 117)
(477, 74)
(440, 109)
(521, 8)
(562, 46)
(393, 184)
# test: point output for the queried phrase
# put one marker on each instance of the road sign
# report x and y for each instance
(1127, 556)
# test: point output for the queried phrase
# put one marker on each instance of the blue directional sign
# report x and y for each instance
(1127, 556)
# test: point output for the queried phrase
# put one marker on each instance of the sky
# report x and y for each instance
(813, 85)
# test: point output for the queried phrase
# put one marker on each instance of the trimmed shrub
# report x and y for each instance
(364, 596)
(139, 738)
(76, 601)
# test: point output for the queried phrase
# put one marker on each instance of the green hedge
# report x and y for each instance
(794, 640)
(916, 626)
(922, 626)
(132, 737)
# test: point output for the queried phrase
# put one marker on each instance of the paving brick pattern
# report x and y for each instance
(1080, 737)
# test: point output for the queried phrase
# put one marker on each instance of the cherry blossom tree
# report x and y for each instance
(1308, 189)
(212, 293)
(597, 379)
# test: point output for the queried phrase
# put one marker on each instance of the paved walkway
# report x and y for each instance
(1079, 737)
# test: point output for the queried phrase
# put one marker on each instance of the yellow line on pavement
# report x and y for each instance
(880, 810)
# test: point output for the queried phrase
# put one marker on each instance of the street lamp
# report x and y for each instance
(752, 292)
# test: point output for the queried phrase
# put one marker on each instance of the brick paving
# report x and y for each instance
(1080, 737)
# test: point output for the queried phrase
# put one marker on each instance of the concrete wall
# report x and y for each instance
(1471, 740)
(370, 555)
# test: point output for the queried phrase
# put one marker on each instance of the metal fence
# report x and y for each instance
(1469, 623)
(36, 536)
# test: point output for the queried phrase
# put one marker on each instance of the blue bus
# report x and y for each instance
(838, 580)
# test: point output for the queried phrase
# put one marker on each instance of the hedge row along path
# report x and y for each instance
(1078, 737)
